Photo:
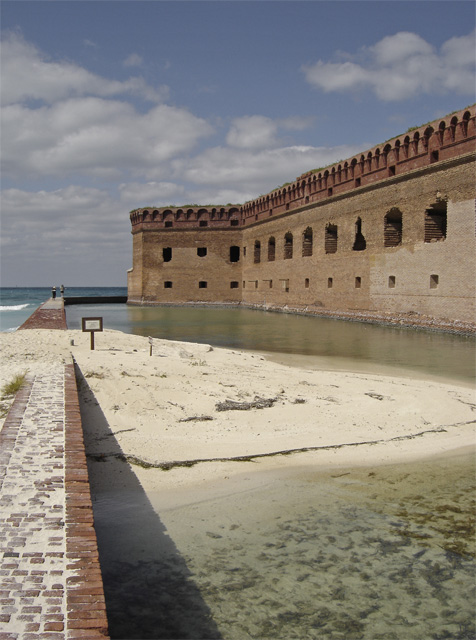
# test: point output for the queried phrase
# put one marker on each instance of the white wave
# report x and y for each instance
(15, 307)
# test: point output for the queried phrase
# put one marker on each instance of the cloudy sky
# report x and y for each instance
(112, 105)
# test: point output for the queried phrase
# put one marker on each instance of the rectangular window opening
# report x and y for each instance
(167, 284)
(434, 281)
(203, 284)
(201, 252)
(234, 284)
(391, 282)
(330, 283)
(358, 282)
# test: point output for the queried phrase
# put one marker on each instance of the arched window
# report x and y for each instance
(234, 254)
(257, 253)
(435, 222)
(288, 246)
(307, 242)
(271, 249)
(359, 243)
(330, 239)
(392, 231)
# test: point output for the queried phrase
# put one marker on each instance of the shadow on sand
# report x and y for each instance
(149, 590)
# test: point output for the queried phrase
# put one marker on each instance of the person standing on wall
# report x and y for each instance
(53, 293)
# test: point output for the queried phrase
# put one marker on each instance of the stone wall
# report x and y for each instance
(392, 230)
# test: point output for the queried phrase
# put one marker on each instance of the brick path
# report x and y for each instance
(50, 580)
(50, 315)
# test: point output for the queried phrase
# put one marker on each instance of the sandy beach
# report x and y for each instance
(190, 402)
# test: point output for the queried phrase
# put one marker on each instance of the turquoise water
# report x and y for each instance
(18, 303)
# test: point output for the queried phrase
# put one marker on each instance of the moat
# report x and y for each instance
(320, 342)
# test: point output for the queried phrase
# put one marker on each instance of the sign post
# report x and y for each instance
(90, 325)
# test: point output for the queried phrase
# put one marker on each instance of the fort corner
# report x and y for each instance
(389, 230)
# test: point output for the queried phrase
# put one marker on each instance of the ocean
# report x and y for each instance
(18, 303)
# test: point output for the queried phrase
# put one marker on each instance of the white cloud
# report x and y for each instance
(28, 75)
(75, 234)
(247, 171)
(252, 132)
(95, 137)
(138, 194)
(401, 66)
(133, 60)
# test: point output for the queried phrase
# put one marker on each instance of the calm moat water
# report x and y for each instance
(338, 344)
(382, 553)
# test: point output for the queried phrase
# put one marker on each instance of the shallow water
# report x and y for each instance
(370, 553)
(342, 345)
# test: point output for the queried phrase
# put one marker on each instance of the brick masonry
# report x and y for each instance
(51, 583)
(430, 169)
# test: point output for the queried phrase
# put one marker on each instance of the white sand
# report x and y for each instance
(150, 405)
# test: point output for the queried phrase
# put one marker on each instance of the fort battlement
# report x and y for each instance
(390, 230)
(434, 142)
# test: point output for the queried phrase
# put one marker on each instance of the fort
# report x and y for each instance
(391, 230)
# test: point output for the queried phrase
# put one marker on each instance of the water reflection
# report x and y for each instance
(423, 352)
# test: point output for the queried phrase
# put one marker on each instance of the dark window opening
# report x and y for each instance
(392, 230)
(288, 246)
(169, 224)
(201, 252)
(167, 254)
(203, 284)
(167, 284)
(203, 223)
(330, 240)
(360, 243)
(358, 282)
(435, 222)
(234, 284)
(306, 283)
(234, 222)
(391, 171)
(391, 282)
(330, 283)
(357, 182)
(329, 191)
(434, 156)
(235, 253)
(307, 242)
(257, 253)
(434, 281)
(271, 249)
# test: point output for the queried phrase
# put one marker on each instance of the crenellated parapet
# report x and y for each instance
(193, 217)
(440, 140)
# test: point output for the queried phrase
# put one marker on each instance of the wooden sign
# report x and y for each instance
(90, 325)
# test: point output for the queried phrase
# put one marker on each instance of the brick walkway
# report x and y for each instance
(50, 315)
(50, 580)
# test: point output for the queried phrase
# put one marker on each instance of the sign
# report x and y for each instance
(92, 324)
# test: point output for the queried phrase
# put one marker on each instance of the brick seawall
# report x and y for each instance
(51, 583)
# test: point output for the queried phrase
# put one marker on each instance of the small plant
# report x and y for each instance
(8, 393)
(13, 386)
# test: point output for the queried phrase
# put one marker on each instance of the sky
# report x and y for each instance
(111, 105)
